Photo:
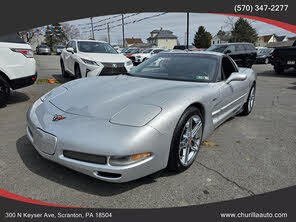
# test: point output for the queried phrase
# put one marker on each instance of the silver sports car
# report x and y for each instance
(120, 128)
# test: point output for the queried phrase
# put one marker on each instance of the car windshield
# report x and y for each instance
(147, 51)
(177, 66)
(95, 47)
(124, 50)
(43, 46)
(217, 48)
(129, 50)
(60, 47)
(134, 51)
(264, 51)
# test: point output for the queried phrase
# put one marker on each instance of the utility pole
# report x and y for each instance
(122, 21)
(187, 30)
(92, 28)
(108, 33)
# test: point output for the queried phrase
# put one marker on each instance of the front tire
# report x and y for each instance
(77, 72)
(186, 140)
(4, 92)
(64, 73)
(248, 106)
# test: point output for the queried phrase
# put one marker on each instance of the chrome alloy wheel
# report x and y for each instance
(251, 99)
(190, 140)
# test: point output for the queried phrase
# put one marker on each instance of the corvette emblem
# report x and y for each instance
(114, 65)
(57, 117)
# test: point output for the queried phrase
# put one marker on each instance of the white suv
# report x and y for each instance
(87, 58)
(145, 54)
(17, 65)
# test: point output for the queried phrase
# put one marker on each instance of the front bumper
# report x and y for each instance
(23, 82)
(53, 139)
(103, 70)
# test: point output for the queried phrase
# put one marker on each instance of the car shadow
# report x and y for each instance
(290, 73)
(62, 80)
(75, 180)
(292, 87)
(17, 97)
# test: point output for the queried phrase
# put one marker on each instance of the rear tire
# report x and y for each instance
(77, 72)
(64, 73)
(4, 92)
(184, 146)
(279, 70)
(248, 106)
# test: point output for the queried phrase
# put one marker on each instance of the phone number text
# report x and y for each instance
(261, 8)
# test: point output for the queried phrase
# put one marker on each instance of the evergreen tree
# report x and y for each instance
(243, 32)
(202, 38)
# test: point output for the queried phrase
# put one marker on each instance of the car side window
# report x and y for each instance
(230, 48)
(239, 48)
(74, 46)
(227, 68)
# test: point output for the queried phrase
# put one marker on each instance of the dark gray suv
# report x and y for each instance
(244, 54)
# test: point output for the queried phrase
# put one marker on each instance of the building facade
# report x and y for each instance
(163, 39)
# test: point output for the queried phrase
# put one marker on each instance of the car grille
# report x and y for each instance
(113, 69)
(90, 158)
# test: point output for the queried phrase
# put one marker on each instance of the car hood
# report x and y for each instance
(102, 97)
(104, 57)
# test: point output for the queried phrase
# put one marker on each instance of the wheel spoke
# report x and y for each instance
(187, 154)
(196, 129)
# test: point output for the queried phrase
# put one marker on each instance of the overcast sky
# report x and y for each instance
(175, 22)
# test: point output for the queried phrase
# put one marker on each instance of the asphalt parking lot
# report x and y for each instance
(245, 156)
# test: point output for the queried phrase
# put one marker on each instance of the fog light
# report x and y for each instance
(127, 160)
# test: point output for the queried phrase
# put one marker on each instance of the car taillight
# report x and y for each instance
(26, 52)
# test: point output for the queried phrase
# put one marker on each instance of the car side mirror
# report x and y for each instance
(235, 76)
(227, 51)
(70, 49)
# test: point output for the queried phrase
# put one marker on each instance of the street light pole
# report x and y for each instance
(122, 20)
(92, 28)
(187, 42)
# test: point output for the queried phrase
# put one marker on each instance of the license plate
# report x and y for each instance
(291, 62)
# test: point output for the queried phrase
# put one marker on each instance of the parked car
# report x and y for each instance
(130, 53)
(43, 50)
(17, 65)
(128, 50)
(283, 58)
(133, 125)
(264, 55)
(86, 58)
(244, 54)
(144, 55)
(59, 49)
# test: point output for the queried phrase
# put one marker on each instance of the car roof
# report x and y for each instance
(85, 40)
(195, 52)
(235, 43)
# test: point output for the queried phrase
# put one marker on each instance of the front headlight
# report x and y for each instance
(89, 62)
(127, 160)
(129, 63)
